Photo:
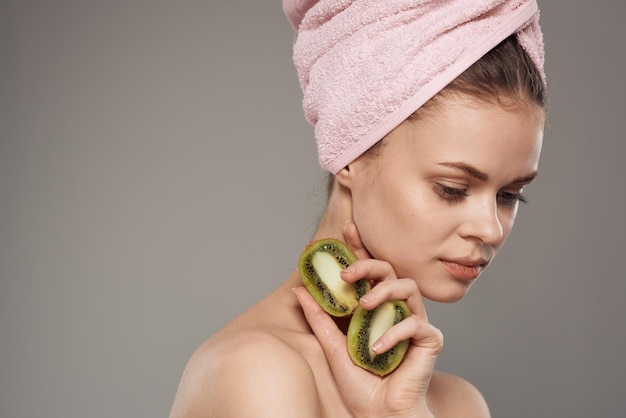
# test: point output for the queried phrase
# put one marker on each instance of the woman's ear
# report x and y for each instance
(344, 176)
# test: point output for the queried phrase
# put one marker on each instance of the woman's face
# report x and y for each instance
(440, 198)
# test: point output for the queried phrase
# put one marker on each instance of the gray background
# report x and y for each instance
(157, 177)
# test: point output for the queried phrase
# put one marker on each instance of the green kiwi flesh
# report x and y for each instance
(366, 327)
(320, 264)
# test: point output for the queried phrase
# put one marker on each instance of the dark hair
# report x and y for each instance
(505, 74)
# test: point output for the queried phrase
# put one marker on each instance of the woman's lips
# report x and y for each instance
(463, 271)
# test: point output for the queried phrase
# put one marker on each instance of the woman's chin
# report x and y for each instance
(447, 294)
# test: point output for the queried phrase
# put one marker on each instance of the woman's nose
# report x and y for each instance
(482, 223)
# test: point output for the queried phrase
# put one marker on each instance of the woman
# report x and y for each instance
(429, 117)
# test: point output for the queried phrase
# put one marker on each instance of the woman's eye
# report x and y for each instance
(452, 194)
(510, 199)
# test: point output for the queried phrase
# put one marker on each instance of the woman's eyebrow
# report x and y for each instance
(526, 179)
(476, 173)
(469, 169)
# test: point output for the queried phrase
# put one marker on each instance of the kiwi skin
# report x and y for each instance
(326, 296)
(358, 340)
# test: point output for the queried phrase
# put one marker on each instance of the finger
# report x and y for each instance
(401, 289)
(353, 239)
(388, 286)
(420, 332)
(374, 270)
(331, 339)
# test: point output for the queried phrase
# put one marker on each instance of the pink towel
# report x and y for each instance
(364, 66)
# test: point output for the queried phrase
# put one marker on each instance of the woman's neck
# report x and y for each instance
(338, 211)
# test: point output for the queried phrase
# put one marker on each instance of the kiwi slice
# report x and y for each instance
(366, 327)
(320, 265)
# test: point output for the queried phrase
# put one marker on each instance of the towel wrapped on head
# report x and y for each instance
(364, 66)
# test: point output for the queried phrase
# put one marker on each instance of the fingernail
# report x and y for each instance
(348, 270)
(376, 346)
(367, 298)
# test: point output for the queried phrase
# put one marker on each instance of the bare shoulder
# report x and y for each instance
(246, 373)
(453, 396)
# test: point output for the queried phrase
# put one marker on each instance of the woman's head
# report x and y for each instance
(438, 196)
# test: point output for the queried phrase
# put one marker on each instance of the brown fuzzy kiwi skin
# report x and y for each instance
(358, 349)
(322, 295)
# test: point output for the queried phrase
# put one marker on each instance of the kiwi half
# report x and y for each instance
(366, 327)
(320, 264)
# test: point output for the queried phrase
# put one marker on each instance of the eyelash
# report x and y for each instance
(511, 198)
(453, 194)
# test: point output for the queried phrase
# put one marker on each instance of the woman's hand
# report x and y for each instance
(403, 392)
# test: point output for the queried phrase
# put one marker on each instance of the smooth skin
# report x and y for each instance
(425, 216)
